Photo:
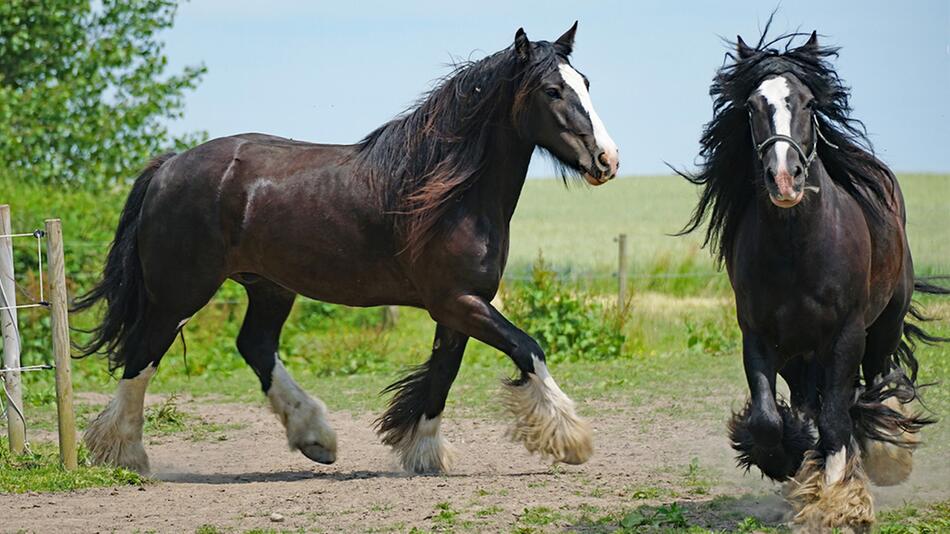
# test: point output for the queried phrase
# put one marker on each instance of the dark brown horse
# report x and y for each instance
(810, 225)
(416, 214)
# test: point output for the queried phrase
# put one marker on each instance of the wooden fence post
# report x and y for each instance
(59, 321)
(13, 399)
(390, 316)
(621, 270)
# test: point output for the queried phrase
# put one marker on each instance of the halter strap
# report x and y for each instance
(760, 147)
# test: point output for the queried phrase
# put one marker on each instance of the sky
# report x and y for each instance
(334, 71)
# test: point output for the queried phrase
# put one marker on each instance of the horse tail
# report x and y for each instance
(913, 333)
(123, 284)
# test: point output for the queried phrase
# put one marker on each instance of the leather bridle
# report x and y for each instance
(761, 147)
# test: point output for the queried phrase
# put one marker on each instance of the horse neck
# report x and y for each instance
(794, 228)
(503, 175)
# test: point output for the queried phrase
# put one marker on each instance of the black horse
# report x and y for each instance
(810, 225)
(416, 214)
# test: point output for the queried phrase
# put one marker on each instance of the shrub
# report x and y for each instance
(568, 325)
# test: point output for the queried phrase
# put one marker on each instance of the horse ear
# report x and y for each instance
(744, 50)
(812, 42)
(522, 44)
(565, 43)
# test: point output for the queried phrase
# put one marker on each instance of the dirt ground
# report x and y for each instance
(245, 478)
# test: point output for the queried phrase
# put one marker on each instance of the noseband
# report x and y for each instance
(761, 147)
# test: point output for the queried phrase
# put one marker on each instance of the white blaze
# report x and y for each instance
(576, 82)
(776, 91)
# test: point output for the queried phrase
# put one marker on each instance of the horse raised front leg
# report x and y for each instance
(546, 421)
(831, 489)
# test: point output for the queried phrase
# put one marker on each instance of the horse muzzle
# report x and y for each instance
(604, 169)
(787, 190)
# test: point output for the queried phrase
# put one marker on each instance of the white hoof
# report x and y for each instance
(114, 437)
(304, 417)
(545, 419)
(424, 450)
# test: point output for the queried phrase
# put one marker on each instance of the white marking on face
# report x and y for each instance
(835, 465)
(575, 81)
(776, 91)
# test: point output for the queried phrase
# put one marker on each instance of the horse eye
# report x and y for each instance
(811, 104)
(552, 92)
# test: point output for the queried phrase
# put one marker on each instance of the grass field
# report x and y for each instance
(681, 330)
(575, 226)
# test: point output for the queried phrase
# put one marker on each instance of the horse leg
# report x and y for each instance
(114, 437)
(545, 419)
(766, 433)
(831, 489)
(411, 424)
(803, 378)
(887, 430)
(303, 417)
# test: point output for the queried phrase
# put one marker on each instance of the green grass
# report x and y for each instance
(932, 519)
(40, 470)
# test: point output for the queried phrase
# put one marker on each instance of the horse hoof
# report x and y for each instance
(318, 454)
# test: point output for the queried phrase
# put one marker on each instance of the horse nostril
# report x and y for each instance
(770, 173)
(602, 158)
(798, 171)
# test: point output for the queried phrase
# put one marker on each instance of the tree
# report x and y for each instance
(84, 98)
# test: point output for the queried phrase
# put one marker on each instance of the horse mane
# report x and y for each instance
(728, 173)
(424, 160)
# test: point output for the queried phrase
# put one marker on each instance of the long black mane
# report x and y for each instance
(423, 160)
(728, 170)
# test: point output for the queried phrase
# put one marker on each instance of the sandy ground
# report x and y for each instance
(238, 479)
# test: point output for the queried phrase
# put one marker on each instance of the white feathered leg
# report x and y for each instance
(304, 417)
(545, 418)
(424, 450)
(114, 437)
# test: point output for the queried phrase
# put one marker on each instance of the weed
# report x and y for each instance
(697, 478)
(662, 516)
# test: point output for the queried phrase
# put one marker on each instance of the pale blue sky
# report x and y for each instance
(333, 71)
